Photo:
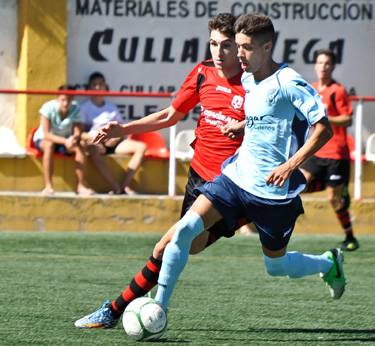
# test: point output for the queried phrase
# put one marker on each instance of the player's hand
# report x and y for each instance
(112, 130)
(70, 142)
(280, 175)
(233, 130)
(76, 138)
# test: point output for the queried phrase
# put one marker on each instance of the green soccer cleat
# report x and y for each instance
(335, 277)
(349, 245)
(99, 319)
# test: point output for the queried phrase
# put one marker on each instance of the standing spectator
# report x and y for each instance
(329, 168)
(60, 131)
(96, 113)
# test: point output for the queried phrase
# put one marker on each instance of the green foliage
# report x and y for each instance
(224, 297)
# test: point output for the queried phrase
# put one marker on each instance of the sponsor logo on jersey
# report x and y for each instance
(250, 120)
(237, 102)
(223, 89)
(217, 119)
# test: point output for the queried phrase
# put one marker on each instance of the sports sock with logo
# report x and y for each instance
(296, 264)
(343, 216)
(176, 255)
(142, 283)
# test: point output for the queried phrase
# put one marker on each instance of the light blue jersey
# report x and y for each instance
(279, 110)
(59, 127)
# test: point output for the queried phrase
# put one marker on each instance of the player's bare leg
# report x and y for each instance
(336, 197)
(137, 149)
(96, 152)
(79, 160)
(48, 150)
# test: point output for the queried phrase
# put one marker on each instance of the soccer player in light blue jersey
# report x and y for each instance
(262, 181)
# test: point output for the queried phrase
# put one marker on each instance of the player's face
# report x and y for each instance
(65, 102)
(252, 54)
(324, 67)
(98, 84)
(223, 50)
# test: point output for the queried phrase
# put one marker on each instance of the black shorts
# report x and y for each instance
(219, 229)
(110, 150)
(331, 172)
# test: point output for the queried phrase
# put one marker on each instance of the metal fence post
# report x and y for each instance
(172, 162)
(358, 151)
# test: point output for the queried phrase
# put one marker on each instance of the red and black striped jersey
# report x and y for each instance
(337, 101)
(221, 101)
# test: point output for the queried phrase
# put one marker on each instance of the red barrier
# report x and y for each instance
(120, 93)
(362, 98)
(85, 93)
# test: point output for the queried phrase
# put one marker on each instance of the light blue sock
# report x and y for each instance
(176, 255)
(296, 264)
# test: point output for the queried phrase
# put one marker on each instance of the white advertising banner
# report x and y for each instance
(151, 45)
(8, 61)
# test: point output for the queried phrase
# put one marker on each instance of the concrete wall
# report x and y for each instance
(31, 212)
(25, 174)
(23, 208)
(41, 58)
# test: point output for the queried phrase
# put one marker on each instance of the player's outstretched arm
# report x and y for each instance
(344, 120)
(152, 122)
(320, 136)
(112, 130)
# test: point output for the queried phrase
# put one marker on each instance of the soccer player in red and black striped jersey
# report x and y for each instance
(329, 168)
(215, 85)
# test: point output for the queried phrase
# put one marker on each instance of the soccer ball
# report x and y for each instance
(144, 319)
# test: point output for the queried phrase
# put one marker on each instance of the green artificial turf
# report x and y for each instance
(224, 297)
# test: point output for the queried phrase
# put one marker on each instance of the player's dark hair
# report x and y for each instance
(256, 25)
(224, 23)
(66, 87)
(95, 75)
(328, 53)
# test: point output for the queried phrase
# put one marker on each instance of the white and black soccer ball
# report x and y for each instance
(144, 319)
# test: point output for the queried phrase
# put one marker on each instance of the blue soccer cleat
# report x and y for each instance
(100, 319)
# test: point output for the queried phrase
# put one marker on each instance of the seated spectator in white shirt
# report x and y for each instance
(96, 112)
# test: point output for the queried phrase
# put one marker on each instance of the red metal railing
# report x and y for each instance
(85, 93)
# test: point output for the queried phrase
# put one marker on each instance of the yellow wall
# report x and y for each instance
(42, 56)
(147, 213)
(25, 174)
(23, 210)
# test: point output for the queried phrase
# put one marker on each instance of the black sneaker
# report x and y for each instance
(349, 245)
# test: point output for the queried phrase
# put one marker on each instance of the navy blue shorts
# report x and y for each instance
(219, 229)
(274, 219)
